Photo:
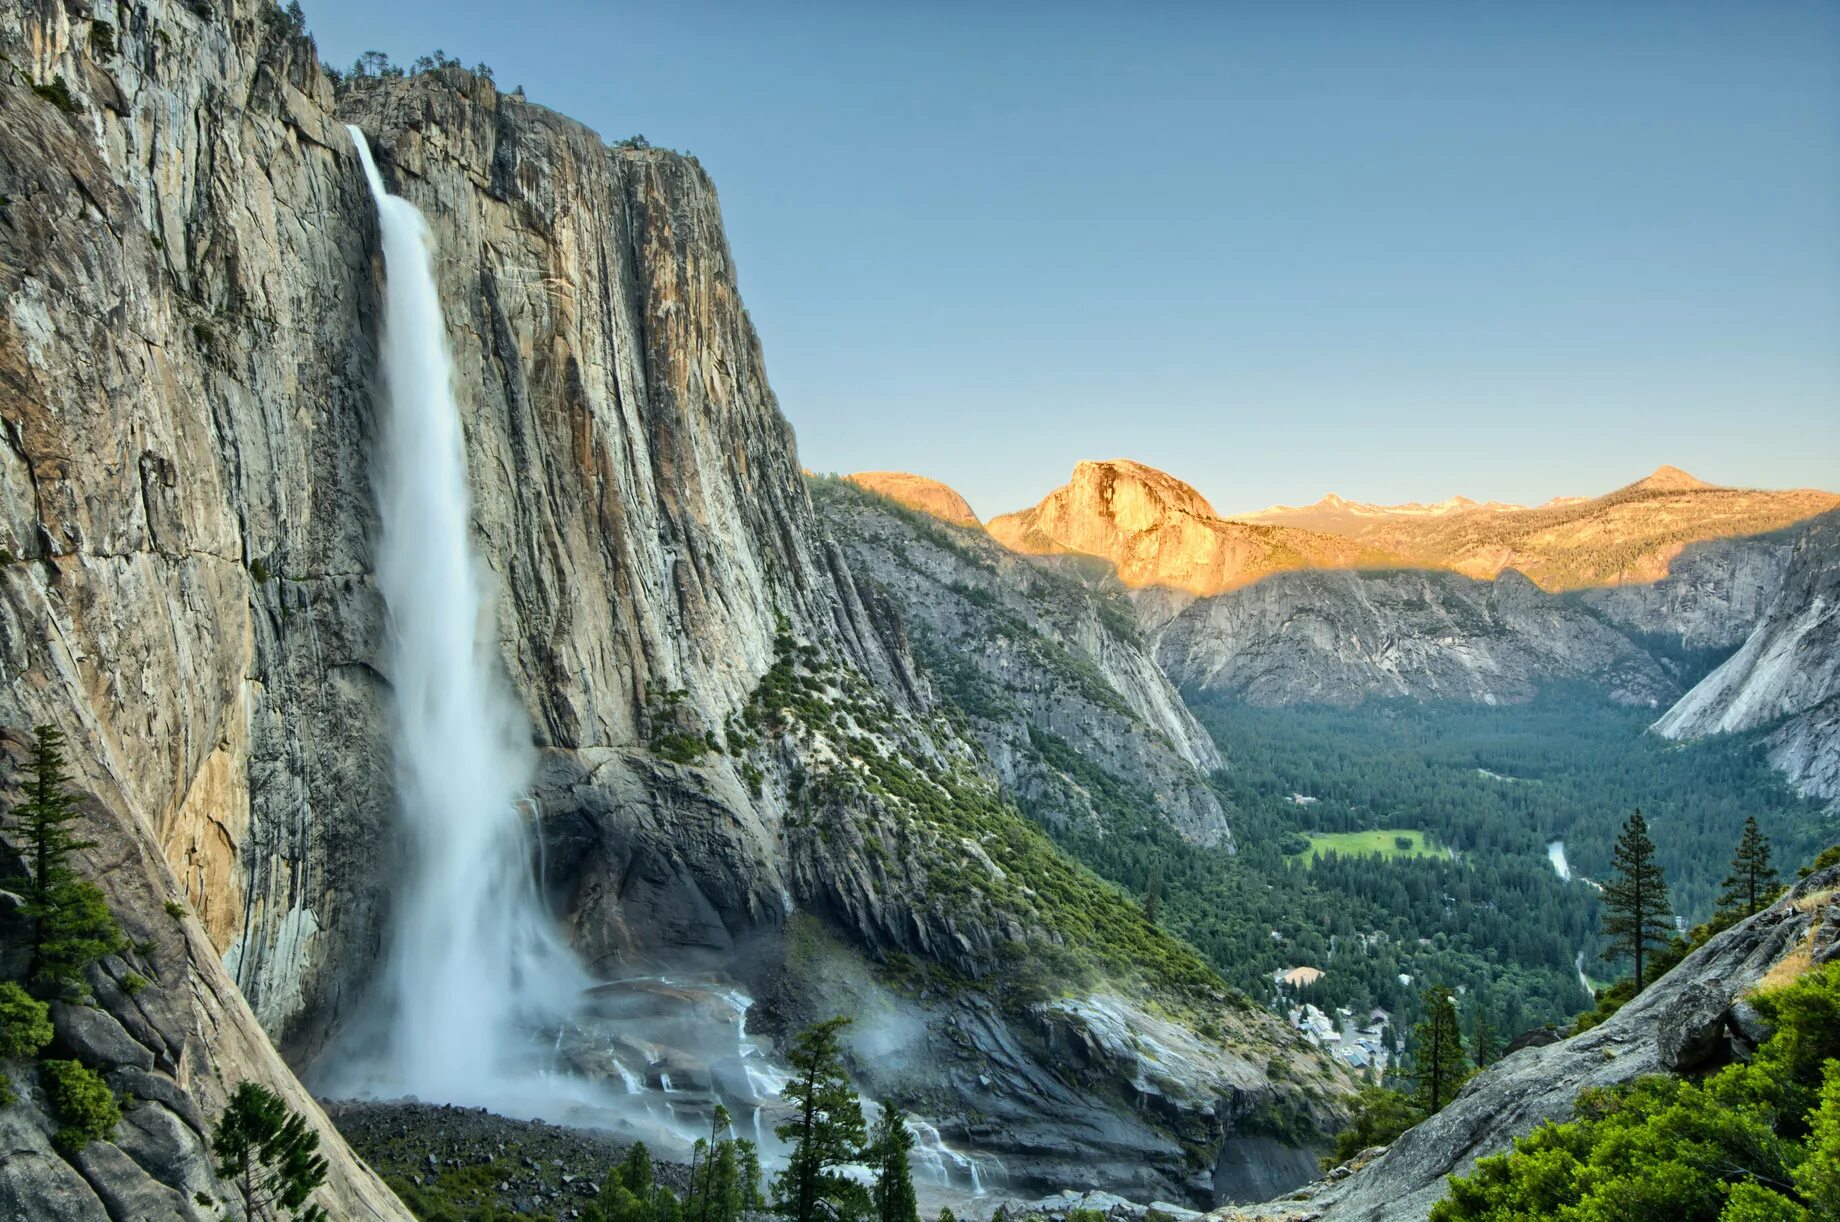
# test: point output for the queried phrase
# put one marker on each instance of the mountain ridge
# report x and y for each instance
(1158, 531)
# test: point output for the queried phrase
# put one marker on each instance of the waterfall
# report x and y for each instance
(475, 967)
(479, 1001)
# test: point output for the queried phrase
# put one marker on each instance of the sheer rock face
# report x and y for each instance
(1713, 595)
(1635, 592)
(1691, 1019)
(187, 349)
(1158, 532)
(1027, 652)
(1786, 675)
(927, 496)
(171, 1034)
(186, 355)
(1341, 638)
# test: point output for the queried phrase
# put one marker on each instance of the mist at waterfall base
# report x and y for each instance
(480, 1002)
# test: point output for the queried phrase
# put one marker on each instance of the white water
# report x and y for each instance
(475, 967)
(1555, 851)
(479, 990)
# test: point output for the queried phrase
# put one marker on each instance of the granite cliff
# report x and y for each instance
(1454, 600)
(918, 493)
(1785, 678)
(742, 767)
(1042, 664)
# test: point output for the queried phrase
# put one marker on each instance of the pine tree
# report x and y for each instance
(826, 1132)
(747, 1155)
(1153, 893)
(1483, 1041)
(268, 1155)
(1637, 916)
(1752, 881)
(894, 1184)
(715, 1194)
(631, 1193)
(1437, 1052)
(70, 926)
(697, 1150)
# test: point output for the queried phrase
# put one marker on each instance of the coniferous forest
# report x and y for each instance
(1489, 790)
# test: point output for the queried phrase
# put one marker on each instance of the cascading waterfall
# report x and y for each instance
(475, 965)
(480, 999)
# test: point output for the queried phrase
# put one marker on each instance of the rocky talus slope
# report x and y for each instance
(1157, 531)
(173, 1037)
(1691, 1019)
(1786, 675)
(732, 726)
(1631, 535)
(1043, 665)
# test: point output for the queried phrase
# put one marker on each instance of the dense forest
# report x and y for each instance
(1491, 788)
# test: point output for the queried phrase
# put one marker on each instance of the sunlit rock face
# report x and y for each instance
(918, 493)
(1633, 536)
(1157, 531)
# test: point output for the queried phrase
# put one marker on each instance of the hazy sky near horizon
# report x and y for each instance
(1396, 250)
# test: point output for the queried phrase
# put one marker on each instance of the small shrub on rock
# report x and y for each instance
(82, 1101)
(25, 1027)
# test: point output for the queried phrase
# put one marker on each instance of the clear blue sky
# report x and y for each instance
(1392, 249)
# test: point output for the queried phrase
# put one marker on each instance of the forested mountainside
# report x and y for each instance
(738, 751)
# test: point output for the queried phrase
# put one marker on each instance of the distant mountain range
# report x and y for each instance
(1638, 593)
(1629, 535)
(1157, 531)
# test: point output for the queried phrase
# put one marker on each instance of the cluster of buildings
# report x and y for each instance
(1358, 1042)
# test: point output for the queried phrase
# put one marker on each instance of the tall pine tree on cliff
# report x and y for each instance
(68, 925)
(1752, 881)
(1438, 1064)
(1637, 916)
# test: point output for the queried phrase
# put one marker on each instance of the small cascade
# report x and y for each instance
(939, 1164)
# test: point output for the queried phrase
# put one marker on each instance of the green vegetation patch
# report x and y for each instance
(1757, 1140)
(1379, 842)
